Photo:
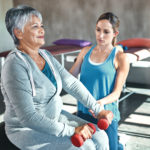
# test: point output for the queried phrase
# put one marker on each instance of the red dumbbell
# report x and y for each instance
(77, 140)
(103, 124)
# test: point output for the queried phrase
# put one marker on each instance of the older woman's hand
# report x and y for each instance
(85, 131)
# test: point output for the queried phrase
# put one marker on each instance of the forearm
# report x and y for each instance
(77, 89)
(74, 71)
(43, 124)
(114, 96)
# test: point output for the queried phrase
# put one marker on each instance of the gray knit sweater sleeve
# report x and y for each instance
(17, 93)
(74, 87)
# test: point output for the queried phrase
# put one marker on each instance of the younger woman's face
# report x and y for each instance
(104, 33)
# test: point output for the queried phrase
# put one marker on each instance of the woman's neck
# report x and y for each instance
(104, 48)
(29, 49)
(33, 52)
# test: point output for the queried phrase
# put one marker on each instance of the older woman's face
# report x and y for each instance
(33, 33)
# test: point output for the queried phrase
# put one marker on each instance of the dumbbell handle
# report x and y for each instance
(77, 140)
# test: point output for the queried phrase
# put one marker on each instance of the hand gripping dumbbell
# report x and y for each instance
(77, 140)
(103, 124)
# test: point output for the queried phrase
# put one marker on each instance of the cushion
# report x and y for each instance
(136, 42)
(81, 43)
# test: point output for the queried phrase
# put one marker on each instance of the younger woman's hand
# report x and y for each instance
(107, 114)
(92, 112)
(101, 103)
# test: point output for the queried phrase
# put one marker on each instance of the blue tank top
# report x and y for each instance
(47, 71)
(99, 79)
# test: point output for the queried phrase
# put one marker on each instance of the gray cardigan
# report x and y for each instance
(32, 101)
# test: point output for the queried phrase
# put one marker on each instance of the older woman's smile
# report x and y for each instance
(41, 37)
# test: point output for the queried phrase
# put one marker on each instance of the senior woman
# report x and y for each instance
(32, 80)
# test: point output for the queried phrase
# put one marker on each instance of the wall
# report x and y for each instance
(5, 40)
(77, 18)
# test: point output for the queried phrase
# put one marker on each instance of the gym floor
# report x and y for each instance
(134, 126)
(135, 118)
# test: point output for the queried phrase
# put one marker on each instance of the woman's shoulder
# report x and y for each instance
(13, 68)
(12, 58)
(121, 56)
(119, 48)
(85, 50)
(13, 62)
